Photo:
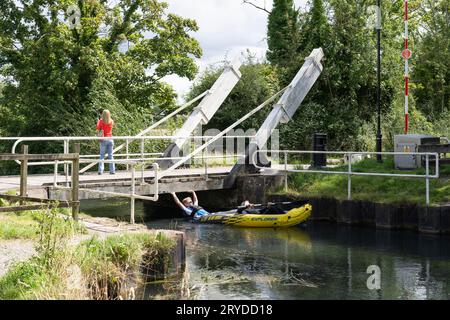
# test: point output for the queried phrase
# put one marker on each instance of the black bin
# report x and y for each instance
(319, 144)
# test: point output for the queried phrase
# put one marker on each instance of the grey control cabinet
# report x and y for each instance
(411, 143)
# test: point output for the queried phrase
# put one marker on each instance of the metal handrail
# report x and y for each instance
(132, 195)
(142, 139)
(134, 163)
(84, 138)
(350, 173)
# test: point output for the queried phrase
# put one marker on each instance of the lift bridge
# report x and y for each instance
(186, 163)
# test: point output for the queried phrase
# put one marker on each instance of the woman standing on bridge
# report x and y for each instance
(104, 129)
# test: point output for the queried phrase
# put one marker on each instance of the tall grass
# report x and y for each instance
(93, 269)
(41, 275)
(112, 268)
(29, 224)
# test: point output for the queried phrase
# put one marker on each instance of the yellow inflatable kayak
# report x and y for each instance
(283, 219)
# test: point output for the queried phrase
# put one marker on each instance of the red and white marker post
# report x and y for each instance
(406, 54)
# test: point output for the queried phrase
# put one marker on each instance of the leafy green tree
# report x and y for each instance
(342, 103)
(431, 68)
(58, 74)
(282, 32)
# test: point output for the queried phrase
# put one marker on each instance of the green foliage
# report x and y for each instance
(343, 101)
(258, 83)
(104, 266)
(282, 32)
(41, 276)
(431, 63)
(32, 224)
(57, 78)
(107, 264)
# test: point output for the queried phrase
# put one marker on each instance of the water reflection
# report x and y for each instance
(320, 261)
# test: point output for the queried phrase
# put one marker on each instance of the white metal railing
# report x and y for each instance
(349, 173)
(133, 160)
(128, 156)
(143, 157)
(132, 195)
(67, 140)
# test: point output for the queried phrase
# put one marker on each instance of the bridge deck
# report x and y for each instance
(180, 180)
(36, 181)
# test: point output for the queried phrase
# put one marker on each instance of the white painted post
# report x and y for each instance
(206, 164)
(285, 172)
(66, 165)
(142, 158)
(55, 174)
(155, 169)
(133, 190)
(427, 161)
(127, 145)
(349, 195)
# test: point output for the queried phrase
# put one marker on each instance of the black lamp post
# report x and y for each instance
(379, 135)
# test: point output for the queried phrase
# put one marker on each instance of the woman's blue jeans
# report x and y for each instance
(106, 146)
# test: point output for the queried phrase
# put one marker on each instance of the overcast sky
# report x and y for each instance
(226, 28)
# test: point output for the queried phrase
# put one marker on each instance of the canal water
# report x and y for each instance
(316, 261)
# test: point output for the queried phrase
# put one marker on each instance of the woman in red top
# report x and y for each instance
(105, 126)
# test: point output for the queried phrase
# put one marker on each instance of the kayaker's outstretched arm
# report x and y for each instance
(194, 197)
(177, 201)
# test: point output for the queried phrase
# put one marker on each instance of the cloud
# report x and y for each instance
(226, 28)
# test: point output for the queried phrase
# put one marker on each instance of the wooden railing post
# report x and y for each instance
(75, 183)
(24, 173)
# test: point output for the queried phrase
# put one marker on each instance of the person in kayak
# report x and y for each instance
(249, 208)
(190, 206)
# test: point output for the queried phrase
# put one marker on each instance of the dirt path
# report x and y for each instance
(12, 251)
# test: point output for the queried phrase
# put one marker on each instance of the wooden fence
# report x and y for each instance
(22, 198)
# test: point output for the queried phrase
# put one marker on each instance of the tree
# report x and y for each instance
(58, 74)
(282, 33)
(342, 102)
(431, 68)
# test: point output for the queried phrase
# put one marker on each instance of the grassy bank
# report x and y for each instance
(92, 269)
(377, 189)
(28, 224)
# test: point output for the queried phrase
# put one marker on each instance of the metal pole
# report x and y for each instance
(133, 191)
(24, 173)
(127, 145)
(55, 173)
(156, 169)
(206, 164)
(349, 191)
(75, 183)
(66, 165)
(427, 161)
(406, 55)
(379, 135)
(285, 172)
(142, 157)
